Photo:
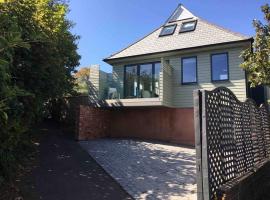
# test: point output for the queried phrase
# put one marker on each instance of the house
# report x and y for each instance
(99, 82)
(92, 81)
(155, 77)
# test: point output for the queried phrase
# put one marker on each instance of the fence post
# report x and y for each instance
(198, 142)
(205, 171)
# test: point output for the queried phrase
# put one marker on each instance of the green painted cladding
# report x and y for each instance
(173, 93)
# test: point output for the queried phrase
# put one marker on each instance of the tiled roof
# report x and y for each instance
(205, 34)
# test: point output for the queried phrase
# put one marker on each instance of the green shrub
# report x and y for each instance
(38, 55)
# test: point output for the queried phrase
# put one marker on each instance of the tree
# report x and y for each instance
(257, 60)
(82, 79)
(10, 107)
(45, 70)
(38, 55)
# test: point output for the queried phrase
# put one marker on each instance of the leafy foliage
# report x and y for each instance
(38, 55)
(10, 107)
(257, 60)
(82, 78)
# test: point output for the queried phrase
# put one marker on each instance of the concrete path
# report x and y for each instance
(67, 172)
(147, 170)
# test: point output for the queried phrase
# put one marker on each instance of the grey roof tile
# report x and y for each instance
(205, 34)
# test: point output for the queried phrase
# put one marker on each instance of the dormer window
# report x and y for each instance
(168, 30)
(188, 26)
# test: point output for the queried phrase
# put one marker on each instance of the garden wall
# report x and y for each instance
(92, 123)
(153, 123)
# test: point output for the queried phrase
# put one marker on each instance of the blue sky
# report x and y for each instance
(107, 26)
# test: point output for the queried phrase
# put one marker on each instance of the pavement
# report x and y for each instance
(67, 172)
(147, 170)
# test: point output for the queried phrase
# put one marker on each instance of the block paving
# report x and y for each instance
(147, 170)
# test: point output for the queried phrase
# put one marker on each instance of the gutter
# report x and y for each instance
(108, 60)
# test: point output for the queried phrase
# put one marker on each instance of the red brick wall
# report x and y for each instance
(156, 123)
(92, 122)
(165, 124)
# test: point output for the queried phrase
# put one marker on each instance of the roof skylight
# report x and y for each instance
(188, 26)
(168, 30)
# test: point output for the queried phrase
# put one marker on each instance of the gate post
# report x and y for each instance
(205, 164)
(197, 97)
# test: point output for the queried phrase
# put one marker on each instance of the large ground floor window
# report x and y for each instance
(142, 80)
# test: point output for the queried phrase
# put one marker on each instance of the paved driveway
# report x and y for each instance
(147, 170)
(66, 172)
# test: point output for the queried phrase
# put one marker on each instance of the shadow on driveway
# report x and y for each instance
(147, 170)
(67, 172)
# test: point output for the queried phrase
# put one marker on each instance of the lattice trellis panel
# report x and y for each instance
(237, 136)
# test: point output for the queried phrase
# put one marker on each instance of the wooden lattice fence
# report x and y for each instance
(232, 139)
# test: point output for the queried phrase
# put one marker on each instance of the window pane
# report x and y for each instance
(156, 79)
(168, 30)
(188, 26)
(189, 70)
(131, 82)
(142, 81)
(146, 88)
(219, 67)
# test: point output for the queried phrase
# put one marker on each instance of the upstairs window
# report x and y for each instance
(168, 30)
(188, 26)
(189, 70)
(220, 67)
